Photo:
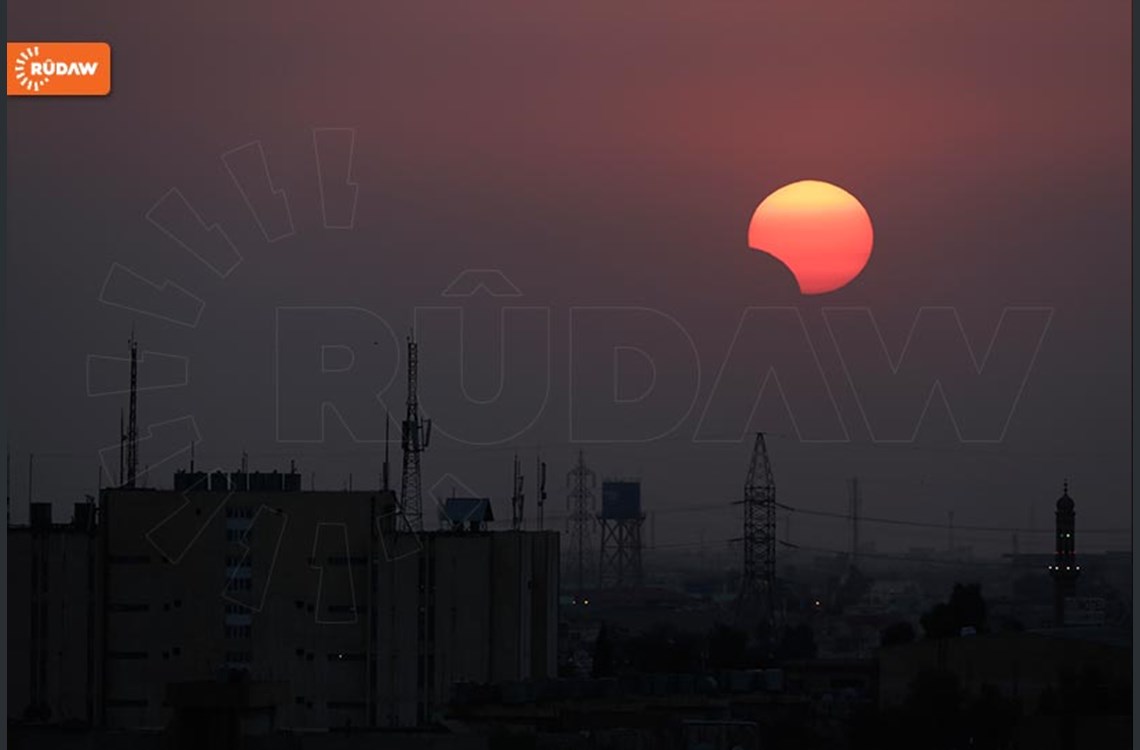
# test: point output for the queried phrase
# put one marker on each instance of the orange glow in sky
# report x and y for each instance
(819, 231)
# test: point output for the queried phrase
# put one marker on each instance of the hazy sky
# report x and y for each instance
(604, 155)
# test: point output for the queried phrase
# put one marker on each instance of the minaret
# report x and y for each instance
(1064, 569)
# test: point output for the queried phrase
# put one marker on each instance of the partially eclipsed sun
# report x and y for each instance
(819, 231)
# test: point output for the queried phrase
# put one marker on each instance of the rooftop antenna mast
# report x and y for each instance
(856, 501)
(517, 497)
(415, 439)
(132, 419)
(540, 489)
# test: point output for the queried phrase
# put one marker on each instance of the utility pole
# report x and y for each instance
(856, 501)
(414, 440)
(758, 582)
(122, 448)
(384, 474)
(517, 497)
(580, 501)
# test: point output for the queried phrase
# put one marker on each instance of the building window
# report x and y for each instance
(238, 530)
(239, 631)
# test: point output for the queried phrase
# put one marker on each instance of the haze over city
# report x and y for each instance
(687, 375)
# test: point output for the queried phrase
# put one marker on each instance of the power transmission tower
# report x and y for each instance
(132, 417)
(517, 497)
(758, 582)
(580, 501)
(415, 439)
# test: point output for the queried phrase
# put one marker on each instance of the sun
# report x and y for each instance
(818, 230)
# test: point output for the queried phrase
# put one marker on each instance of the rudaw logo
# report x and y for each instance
(59, 69)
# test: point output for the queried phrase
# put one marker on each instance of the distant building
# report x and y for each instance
(54, 615)
(1020, 665)
(278, 584)
(274, 607)
(488, 614)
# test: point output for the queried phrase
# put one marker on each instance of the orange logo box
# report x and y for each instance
(59, 69)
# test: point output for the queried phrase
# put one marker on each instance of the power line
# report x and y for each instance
(931, 525)
(719, 506)
(905, 558)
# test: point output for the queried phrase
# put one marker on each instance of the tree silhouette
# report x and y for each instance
(966, 608)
